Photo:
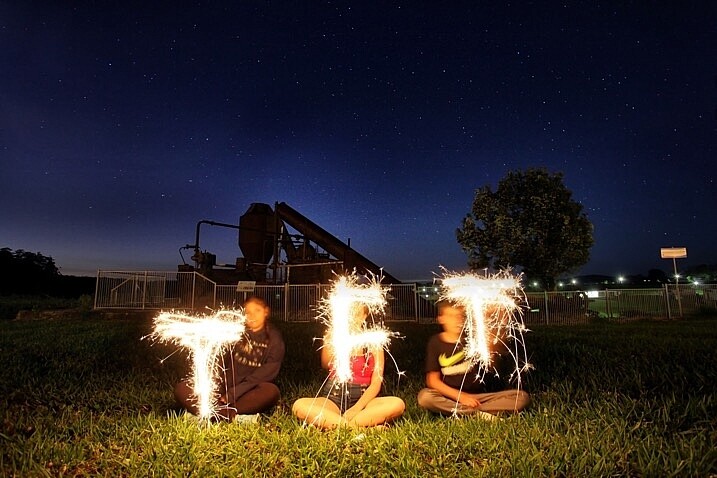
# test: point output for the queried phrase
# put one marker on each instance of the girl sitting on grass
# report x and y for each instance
(247, 387)
(356, 403)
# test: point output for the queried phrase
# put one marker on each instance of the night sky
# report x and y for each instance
(123, 125)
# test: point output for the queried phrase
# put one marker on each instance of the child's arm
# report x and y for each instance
(433, 380)
(327, 354)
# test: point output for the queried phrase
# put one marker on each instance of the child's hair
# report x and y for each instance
(256, 300)
(359, 314)
(361, 309)
(443, 304)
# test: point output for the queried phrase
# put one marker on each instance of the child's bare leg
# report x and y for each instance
(319, 412)
(380, 410)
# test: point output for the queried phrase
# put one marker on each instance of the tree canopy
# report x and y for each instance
(530, 222)
(26, 272)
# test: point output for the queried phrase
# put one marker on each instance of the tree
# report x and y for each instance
(657, 275)
(530, 222)
(702, 273)
(26, 272)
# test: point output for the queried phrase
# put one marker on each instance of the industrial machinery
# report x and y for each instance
(271, 254)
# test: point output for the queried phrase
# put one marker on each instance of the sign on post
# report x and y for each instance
(246, 286)
(673, 252)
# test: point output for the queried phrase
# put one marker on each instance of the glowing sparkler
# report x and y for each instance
(340, 310)
(492, 315)
(205, 336)
(344, 311)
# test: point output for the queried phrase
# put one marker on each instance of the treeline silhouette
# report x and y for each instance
(32, 273)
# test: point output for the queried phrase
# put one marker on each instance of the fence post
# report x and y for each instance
(144, 291)
(547, 312)
(194, 286)
(214, 295)
(286, 302)
(607, 303)
(97, 287)
(317, 300)
(666, 290)
(415, 303)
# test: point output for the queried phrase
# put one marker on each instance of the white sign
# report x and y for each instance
(246, 286)
(673, 252)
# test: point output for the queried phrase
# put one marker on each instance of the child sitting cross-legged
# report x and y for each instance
(355, 404)
(453, 384)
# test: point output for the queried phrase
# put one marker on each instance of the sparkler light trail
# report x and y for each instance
(492, 314)
(353, 351)
(339, 312)
(205, 336)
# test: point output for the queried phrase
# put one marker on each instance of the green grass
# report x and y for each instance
(87, 397)
(10, 305)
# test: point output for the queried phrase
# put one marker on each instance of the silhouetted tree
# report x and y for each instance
(23, 272)
(657, 276)
(703, 273)
(530, 222)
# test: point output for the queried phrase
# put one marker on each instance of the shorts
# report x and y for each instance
(344, 395)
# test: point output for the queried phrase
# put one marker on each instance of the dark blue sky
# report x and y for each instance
(121, 126)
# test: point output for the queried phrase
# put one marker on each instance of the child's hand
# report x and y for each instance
(468, 400)
(351, 413)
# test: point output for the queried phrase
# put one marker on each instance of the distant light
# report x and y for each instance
(573, 281)
(620, 279)
(593, 294)
(560, 284)
(535, 284)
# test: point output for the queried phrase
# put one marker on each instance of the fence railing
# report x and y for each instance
(153, 290)
(622, 305)
(300, 303)
(193, 291)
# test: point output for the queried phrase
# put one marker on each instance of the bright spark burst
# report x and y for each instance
(343, 335)
(492, 315)
(206, 336)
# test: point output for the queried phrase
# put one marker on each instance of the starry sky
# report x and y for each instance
(123, 124)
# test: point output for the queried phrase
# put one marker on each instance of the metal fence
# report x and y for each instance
(193, 291)
(619, 305)
(153, 290)
(300, 303)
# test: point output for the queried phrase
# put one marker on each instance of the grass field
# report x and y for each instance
(87, 397)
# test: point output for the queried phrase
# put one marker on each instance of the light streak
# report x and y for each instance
(492, 316)
(206, 336)
(345, 334)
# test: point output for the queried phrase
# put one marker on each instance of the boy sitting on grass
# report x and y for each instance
(453, 382)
